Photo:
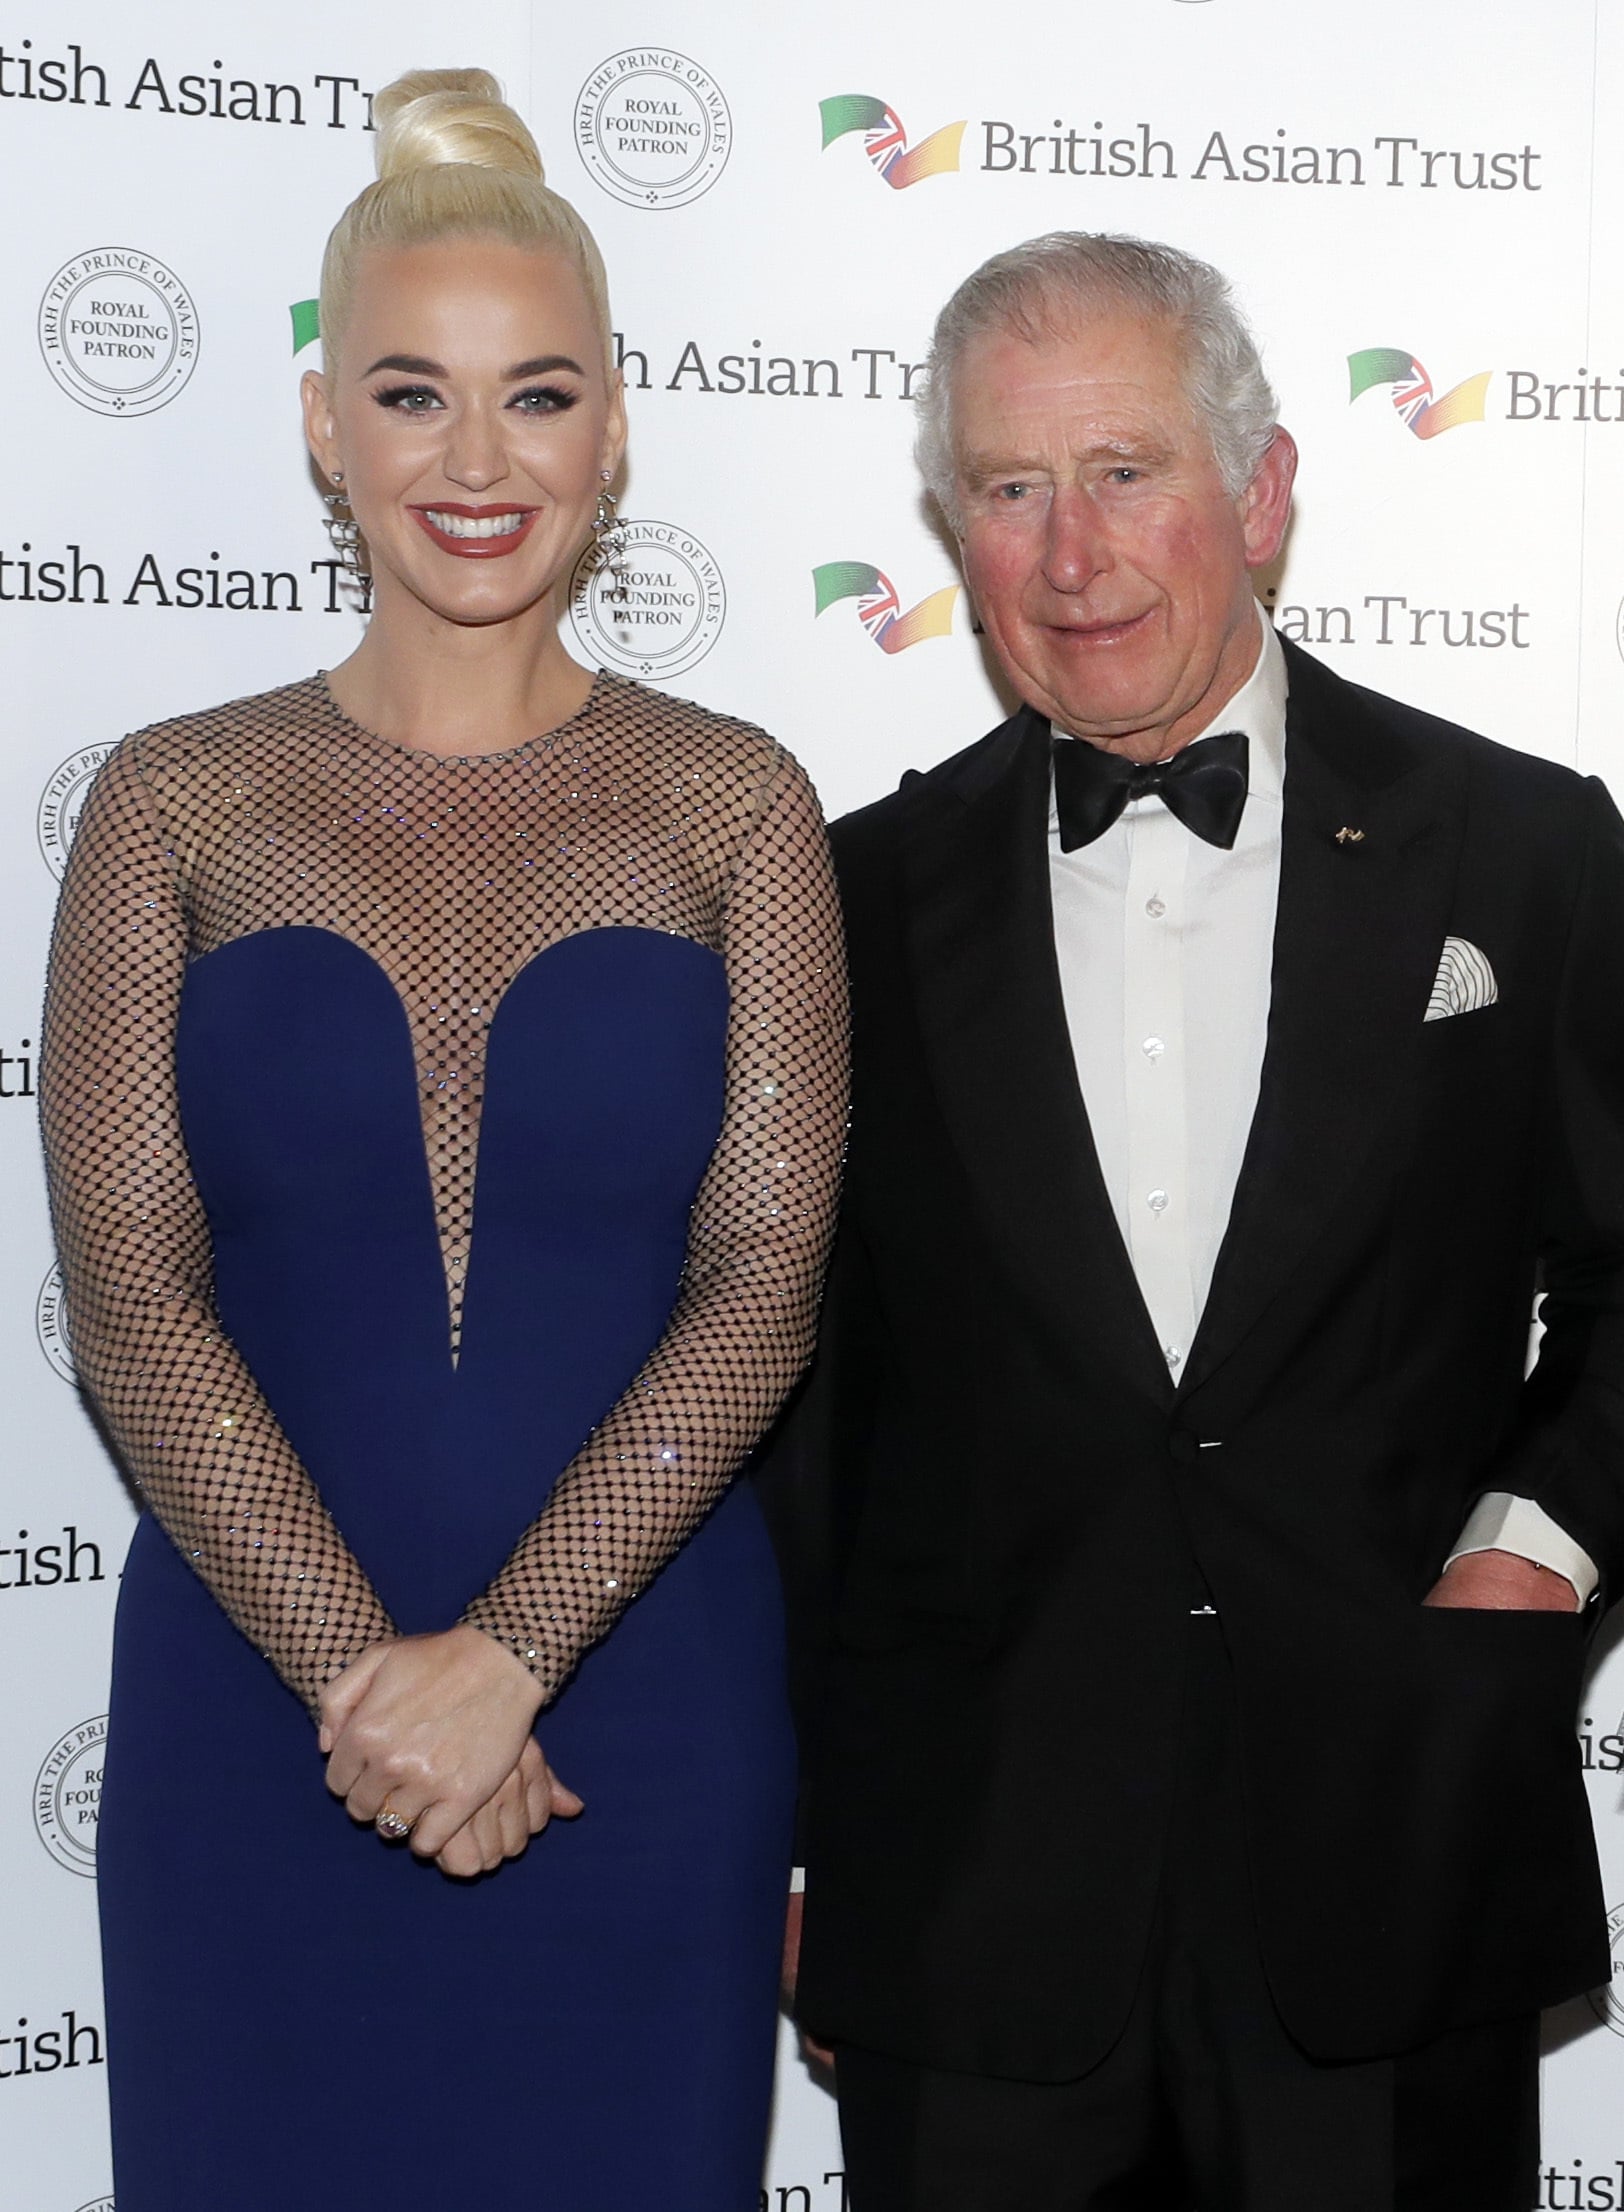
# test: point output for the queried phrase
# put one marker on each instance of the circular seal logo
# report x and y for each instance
(660, 614)
(50, 1324)
(1608, 2004)
(118, 331)
(62, 802)
(1618, 629)
(101, 2204)
(67, 1796)
(653, 127)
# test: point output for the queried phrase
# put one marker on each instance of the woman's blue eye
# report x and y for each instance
(409, 399)
(543, 399)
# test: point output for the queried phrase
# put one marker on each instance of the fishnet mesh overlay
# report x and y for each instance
(641, 811)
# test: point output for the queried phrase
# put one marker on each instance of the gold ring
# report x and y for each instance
(392, 1826)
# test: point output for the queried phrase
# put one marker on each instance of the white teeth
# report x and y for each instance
(476, 526)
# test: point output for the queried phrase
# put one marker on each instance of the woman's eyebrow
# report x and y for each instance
(411, 364)
(543, 365)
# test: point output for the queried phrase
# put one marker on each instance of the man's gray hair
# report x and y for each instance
(1048, 286)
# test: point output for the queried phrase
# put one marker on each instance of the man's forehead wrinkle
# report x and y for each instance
(1103, 386)
(980, 463)
(999, 457)
(1103, 352)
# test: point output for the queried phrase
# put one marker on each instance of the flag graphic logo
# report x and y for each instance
(879, 609)
(1411, 388)
(887, 142)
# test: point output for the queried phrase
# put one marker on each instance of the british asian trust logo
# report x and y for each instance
(886, 142)
(654, 608)
(652, 127)
(62, 803)
(67, 1796)
(1411, 388)
(879, 608)
(118, 330)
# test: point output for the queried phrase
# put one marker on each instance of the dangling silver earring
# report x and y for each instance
(342, 528)
(610, 532)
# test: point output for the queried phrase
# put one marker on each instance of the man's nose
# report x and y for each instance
(475, 457)
(1074, 547)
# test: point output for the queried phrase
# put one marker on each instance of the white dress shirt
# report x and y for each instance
(1166, 945)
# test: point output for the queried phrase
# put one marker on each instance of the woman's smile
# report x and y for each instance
(475, 533)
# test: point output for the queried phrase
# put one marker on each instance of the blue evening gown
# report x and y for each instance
(305, 984)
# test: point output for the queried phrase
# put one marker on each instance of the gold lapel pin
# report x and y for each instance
(1350, 837)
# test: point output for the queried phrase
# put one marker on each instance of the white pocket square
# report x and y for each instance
(1465, 981)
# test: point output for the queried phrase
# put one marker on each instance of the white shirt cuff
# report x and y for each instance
(797, 1880)
(1501, 1522)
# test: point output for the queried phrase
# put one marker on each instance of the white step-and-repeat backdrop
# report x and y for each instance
(1422, 217)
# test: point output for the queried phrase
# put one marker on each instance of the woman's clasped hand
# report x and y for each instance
(436, 1730)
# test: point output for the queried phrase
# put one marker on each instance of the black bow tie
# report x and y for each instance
(1204, 784)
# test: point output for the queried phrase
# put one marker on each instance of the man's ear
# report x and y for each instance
(1266, 501)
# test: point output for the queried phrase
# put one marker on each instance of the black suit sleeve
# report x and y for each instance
(805, 1478)
(1567, 1452)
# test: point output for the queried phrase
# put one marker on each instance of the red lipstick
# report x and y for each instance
(482, 548)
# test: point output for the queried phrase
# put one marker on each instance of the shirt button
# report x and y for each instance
(1172, 1354)
(1155, 909)
(1157, 1201)
(1153, 1048)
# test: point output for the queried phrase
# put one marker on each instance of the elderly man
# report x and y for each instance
(1193, 1591)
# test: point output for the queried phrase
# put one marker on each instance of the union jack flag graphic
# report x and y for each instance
(1411, 388)
(879, 609)
(886, 141)
(1412, 394)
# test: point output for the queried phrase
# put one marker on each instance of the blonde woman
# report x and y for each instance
(444, 1096)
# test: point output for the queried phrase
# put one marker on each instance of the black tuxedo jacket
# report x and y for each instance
(999, 1509)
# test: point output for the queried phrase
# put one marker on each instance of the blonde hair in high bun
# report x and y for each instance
(454, 160)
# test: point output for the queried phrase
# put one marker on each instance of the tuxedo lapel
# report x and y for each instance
(981, 946)
(1361, 918)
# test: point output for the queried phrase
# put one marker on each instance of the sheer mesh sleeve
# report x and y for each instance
(743, 1324)
(198, 1438)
